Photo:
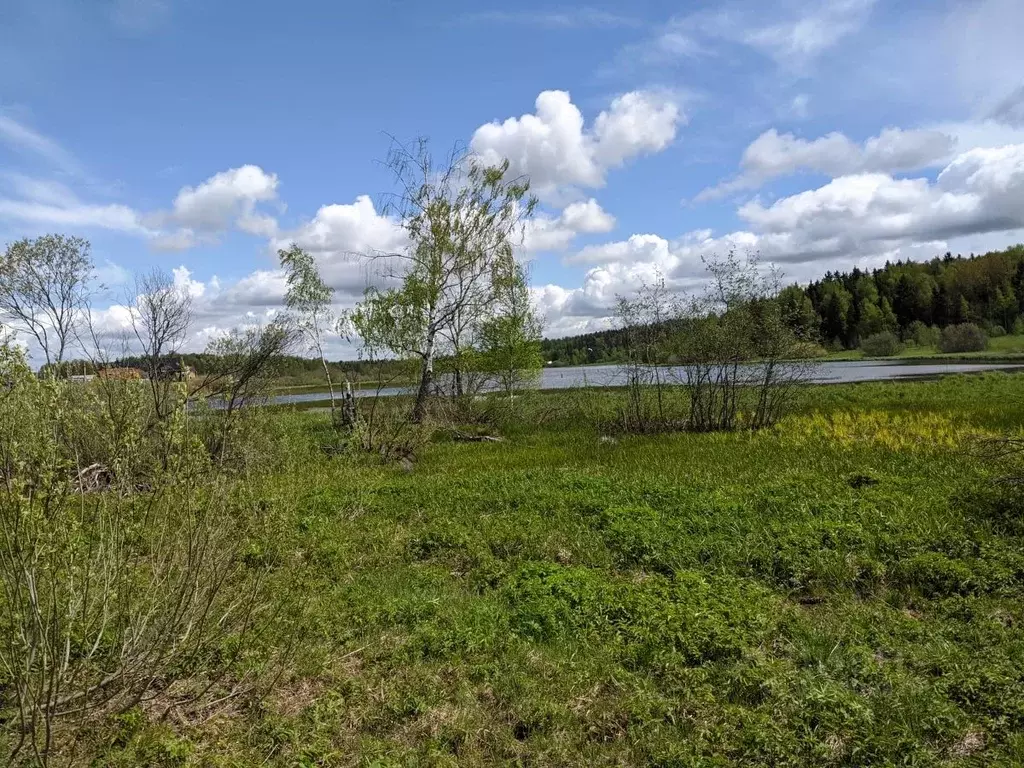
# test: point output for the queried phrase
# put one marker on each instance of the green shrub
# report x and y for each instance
(965, 337)
(637, 536)
(884, 344)
(123, 563)
(807, 350)
(922, 335)
(995, 331)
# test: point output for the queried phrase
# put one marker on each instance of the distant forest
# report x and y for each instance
(843, 308)
(289, 369)
(837, 312)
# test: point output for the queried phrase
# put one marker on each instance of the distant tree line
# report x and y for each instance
(843, 309)
(205, 363)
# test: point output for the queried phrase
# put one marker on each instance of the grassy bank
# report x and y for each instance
(1008, 348)
(845, 589)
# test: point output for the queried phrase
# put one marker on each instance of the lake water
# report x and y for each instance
(612, 375)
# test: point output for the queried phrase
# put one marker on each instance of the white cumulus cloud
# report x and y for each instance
(341, 236)
(980, 191)
(548, 233)
(859, 219)
(556, 150)
(226, 199)
(772, 155)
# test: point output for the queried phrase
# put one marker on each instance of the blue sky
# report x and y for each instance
(200, 135)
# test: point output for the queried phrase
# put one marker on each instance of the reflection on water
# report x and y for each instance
(612, 375)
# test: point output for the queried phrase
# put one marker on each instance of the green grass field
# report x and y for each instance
(845, 589)
(999, 348)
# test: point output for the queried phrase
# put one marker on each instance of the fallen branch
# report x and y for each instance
(467, 438)
(95, 477)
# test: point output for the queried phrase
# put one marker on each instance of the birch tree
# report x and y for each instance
(310, 300)
(461, 220)
(510, 338)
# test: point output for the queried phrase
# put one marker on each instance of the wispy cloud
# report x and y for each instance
(114, 217)
(797, 41)
(792, 42)
(38, 190)
(573, 18)
(22, 138)
(1010, 111)
(44, 202)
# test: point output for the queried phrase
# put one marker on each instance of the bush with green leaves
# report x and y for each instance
(922, 335)
(965, 337)
(121, 580)
(884, 344)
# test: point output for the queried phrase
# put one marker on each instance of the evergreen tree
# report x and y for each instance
(963, 313)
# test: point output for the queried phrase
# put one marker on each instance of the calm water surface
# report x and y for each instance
(612, 375)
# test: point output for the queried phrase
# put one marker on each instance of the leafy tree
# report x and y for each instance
(737, 320)
(461, 221)
(835, 312)
(44, 289)
(309, 299)
(923, 335)
(645, 320)
(964, 310)
(247, 360)
(1004, 309)
(912, 298)
(871, 320)
(510, 338)
(1018, 286)
(889, 320)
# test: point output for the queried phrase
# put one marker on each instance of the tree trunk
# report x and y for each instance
(348, 408)
(458, 380)
(426, 381)
(330, 384)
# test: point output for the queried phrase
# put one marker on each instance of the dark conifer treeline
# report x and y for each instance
(841, 309)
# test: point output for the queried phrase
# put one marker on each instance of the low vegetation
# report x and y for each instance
(844, 588)
(125, 580)
(964, 337)
(883, 344)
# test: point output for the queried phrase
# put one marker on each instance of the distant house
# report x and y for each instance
(119, 374)
(174, 370)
